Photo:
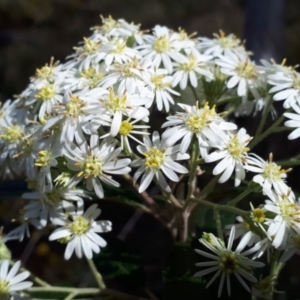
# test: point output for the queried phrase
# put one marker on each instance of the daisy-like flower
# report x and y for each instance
(286, 86)
(286, 221)
(93, 163)
(86, 55)
(159, 88)
(270, 174)
(159, 158)
(116, 50)
(222, 44)
(48, 203)
(46, 159)
(294, 121)
(129, 76)
(10, 282)
(79, 229)
(232, 150)
(163, 47)
(226, 262)
(187, 71)
(243, 73)
(74, 113)
(118, 105)
(47, 97)
(202, 122)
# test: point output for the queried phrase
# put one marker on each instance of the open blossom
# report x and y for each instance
(10, 282)
(194, 121)
(222, 44)
(93, 163)
(226, 262)
(80, 230)
(187, 71)
(270, 175)
(232, 151)
(163, 47)
(286, 221)
(159, 158)
(286, 86)
(243, 74)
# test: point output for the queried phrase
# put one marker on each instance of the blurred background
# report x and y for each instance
(31, 31)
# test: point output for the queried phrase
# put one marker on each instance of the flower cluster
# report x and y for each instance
(80, 127)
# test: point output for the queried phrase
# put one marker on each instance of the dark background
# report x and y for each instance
(31, 31)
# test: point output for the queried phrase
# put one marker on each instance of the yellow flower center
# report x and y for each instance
(125, 128)
(53, 197)
(290, 212)
(258, 215)
(92, 75)
(46, 93)
(120, 46)
(115, 103)
(154, 159)
(4, 287)
(246, 70)
(80, 226)
(236, 148)
(43, 159)
(47, 71)
(91, 167)
(162, 45)
(228, 262)
(189, 66)
(273, 171)
(74, 106)
(228, 42)
(90, 47)
(158, 82)
(197, 121)
(12, 134)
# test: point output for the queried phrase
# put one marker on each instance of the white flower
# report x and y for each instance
(189, 69)
(243, 73)
(80, 230)
(232, 150)
(159, 158)
(292, 247)
(270, 174)
(221, 44)
(74, 114)
(202, 122)
(10, 283)
(286, 220)
(294, 121)
(94, 163)
(162, 47)
(226, 262)
(118, 105)
(286, 87)
(159, 88)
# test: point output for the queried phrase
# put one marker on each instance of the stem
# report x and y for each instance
(96, 274)
(69, 290)
(218, 223)
(228, 99)
(239, 197)
(194, 93)
(264, 117)
(271, 129)
(235, 210)
(193, 166)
